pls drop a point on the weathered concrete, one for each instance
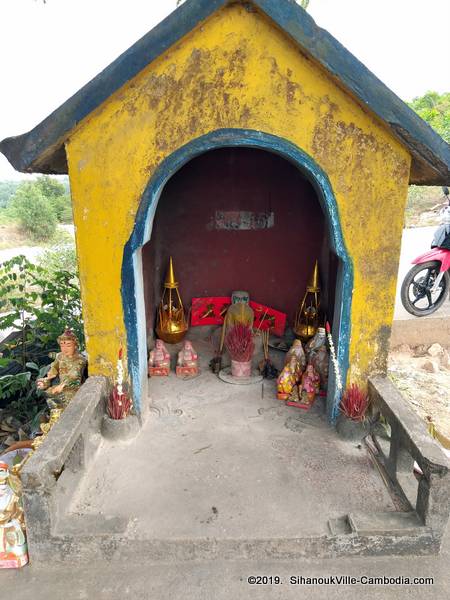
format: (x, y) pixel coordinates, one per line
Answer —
(409, 436)
(227, 579)
(222, 472)
(120, 429)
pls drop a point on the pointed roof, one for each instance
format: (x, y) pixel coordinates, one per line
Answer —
(42, 149)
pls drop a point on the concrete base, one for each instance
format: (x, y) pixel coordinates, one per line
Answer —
(220, 471)
(120, 429)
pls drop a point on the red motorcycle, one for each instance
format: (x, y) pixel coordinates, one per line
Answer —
(427, 285)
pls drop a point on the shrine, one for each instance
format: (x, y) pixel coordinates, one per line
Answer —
(236, 156)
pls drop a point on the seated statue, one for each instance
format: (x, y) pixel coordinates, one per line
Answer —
(187, 364)
(159, 360)
(69, 366)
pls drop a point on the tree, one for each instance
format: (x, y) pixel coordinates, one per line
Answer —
(7, 191)
(55, 193)
(50, 187)
(434, 108)
(33, 211)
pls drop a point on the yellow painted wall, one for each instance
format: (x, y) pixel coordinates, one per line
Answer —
(236, 70)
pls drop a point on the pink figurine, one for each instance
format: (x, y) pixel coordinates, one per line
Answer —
(159, 361)
(187, 364)
(310, 385)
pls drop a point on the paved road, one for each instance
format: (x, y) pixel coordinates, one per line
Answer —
(31, 252)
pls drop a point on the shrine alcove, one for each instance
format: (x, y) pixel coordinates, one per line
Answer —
(239, 218)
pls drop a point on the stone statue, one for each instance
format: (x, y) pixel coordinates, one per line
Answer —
(187, 364)
(159, 360)
(69, 366)
(13, 545)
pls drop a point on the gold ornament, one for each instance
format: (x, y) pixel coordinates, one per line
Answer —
(307, 316)
(172, 325)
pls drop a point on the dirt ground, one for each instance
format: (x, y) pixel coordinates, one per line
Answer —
(423, 376)
(12, 236)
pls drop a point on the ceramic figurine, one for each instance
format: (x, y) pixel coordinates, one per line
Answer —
(172, 325)
(187, 364)
(319, 339)
(159, 361)
(310, 385)
(288, 379)
(320, 361)
(13, 544)
(307, 316)
(317, 355)
(69, 366)
(297, 350)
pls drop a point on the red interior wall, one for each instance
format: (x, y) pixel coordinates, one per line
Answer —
(272, 264)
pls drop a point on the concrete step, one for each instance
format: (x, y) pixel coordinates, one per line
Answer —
(385, 523)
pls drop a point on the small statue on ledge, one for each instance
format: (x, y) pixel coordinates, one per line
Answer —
(69, 365)
(159, 361)
(187, 364)
(13, 544)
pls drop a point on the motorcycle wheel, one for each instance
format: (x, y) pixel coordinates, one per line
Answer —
(416, 293)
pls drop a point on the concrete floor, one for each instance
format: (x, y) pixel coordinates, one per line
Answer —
(229, 462)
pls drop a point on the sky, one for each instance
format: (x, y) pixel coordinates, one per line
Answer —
(50, 50)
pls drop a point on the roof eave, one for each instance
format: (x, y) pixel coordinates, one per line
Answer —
(42, 149)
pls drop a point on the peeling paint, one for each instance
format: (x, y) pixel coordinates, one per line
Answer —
(237, 71)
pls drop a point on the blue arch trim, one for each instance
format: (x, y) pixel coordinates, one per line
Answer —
(132, 281)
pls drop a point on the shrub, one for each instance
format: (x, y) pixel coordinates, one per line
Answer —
(41, 306)
(34, 213)
(61, 257)
(62, 207)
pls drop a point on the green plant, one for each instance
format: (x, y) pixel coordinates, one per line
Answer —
(19, 292)
(62, 207)
(29, 405)
(61, 257)
(33, 211)
(11, 385)
(40, 305)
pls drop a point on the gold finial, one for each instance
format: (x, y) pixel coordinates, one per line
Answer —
(313, 285)
(170, 282)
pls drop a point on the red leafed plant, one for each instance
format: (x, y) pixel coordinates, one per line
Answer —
(354, 403)
(119, 402)
(239, 343)
(119, 405)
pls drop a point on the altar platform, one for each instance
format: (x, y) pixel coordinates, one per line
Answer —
(221, 461)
